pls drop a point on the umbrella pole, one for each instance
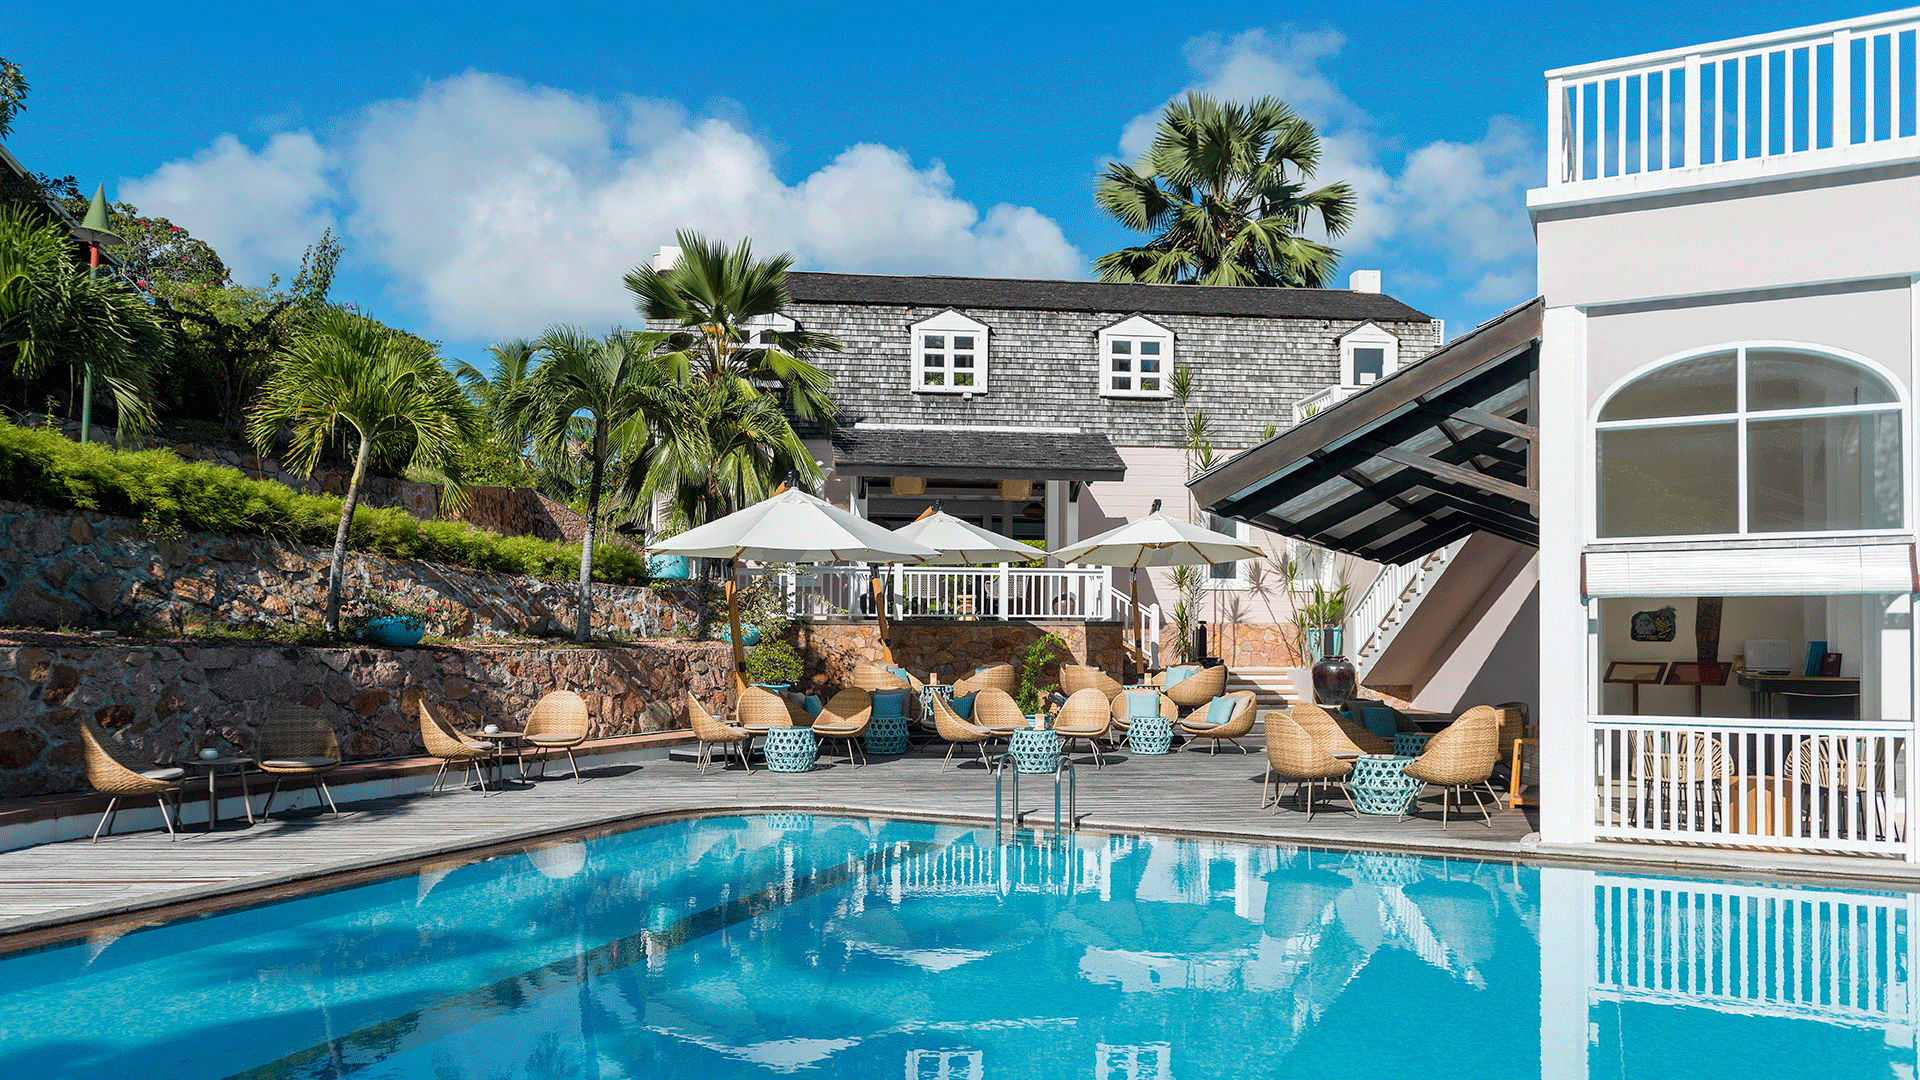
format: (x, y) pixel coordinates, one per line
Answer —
(880, 610)
(1139, 648)
(733, 626)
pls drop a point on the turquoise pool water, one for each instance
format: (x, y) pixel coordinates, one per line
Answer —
(792, 945)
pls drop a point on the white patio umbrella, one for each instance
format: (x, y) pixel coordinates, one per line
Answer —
(1156, 540)
(794, 527)
(961, 543)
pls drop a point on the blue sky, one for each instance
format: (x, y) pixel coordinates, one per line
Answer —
(494, 168)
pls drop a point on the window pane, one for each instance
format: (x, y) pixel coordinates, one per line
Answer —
(1226, 571)
(1122, 382)
(1822, 473)
(1121, 363)
(936, 378)
(963, 360)
(963, 342)
(963, 378)
(1121, 348)
(1149, 384)
(1149, 365)
(1149, 348)
(1777, 379)
(1674, 481)
(936, 360)
(1369, 365)
(935, 341)
(1690, 388)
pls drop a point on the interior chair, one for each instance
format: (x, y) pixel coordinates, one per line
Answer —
(846, 718)
(712, 733)
(297, 743)
(445, 742)
(1200, 723)
(1834, 772)
(1690, 768)
(1336, 734)
(114, 773)
(958, 732)
(1293, 754)
(1086, 717)
(1461, 756)
(559, 721)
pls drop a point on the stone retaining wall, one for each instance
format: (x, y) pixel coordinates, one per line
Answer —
(950, 647)
(160, 700)
(59, 568)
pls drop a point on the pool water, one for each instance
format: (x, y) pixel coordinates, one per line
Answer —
(795, 945)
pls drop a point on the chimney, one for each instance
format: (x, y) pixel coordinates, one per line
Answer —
(669, 256)
(1358, 281)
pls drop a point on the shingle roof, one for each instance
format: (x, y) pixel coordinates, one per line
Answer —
(1030, 295)
(974, 453)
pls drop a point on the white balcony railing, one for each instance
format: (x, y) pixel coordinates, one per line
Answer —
(1831, 786)
(1382, 610)
(1322, 400)
(1003, 592)
(1821, 96)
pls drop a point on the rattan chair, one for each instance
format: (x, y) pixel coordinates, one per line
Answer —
(113, 773)
(875, 677)
(298, 743)
(1238, 723)
(1086, 716)
(1294, 754)
(995, 710)
(759, 709)
(958, 732)
(1336, 734)
(846, 718)
(999, 677)
(445, 742)
(1077, 677)
(1828, 766)
(713, 733)
(1681, 762)
(1198, 688)
(559, 721)
(1123, 720)
(1461, 756)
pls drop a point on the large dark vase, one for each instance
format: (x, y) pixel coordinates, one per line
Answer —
(1334, 681)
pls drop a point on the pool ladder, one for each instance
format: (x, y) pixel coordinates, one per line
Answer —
(1062, 769)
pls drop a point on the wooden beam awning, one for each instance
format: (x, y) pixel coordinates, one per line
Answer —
(1438, 450)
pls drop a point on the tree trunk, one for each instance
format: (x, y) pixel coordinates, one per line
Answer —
(583, 617)
(337, 570)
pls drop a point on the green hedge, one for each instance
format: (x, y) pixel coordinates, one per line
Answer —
(40, 467)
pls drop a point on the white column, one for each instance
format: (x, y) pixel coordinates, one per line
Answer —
(1566, 812)
(1056, 496)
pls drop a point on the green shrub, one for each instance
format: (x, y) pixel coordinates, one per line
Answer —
(775, 661)
(165, 494)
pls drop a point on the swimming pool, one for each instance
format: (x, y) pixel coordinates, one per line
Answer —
(787, 944)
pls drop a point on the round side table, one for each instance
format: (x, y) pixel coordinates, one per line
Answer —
(790, 749)
(1034, 750)
(1150, 735)
(1410, 743)
(1379, 786)
(886, 735)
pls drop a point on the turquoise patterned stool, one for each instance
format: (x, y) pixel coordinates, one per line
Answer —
(943, 691)
(790, 749)
(887, 735)
(1410, 743)
(1150, 735)
(1034, 750)
(1379, 787)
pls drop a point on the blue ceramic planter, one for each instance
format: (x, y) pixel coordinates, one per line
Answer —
(749, 635)
(668, 566)
(394, 631)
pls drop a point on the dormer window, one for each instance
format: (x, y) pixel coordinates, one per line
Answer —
(759, 330)
(950, 355)
(1367, 355)
(1136, 359)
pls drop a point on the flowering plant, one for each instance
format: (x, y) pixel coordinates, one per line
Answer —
(381, 604)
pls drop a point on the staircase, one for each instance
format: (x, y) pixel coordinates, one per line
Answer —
(1383, 609)
(1272, 687)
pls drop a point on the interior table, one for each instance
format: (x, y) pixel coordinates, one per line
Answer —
(213, 767)
(1765, 687)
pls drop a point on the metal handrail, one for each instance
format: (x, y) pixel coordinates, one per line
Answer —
(1065, 765)
(1000, 772)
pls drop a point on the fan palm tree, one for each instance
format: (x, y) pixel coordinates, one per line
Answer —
(716, 447)
(346, 371)
(710, 295)
(1223, 188)
(604, 389)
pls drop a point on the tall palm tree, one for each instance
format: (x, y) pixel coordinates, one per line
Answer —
(345, 371)
(608, 386)
(710, 295)
(716, 447)
(1223, 188)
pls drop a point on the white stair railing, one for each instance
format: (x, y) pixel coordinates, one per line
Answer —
(995, 592)
(1382, 610)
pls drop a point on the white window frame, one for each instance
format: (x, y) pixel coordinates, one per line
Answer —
(1242, 532)
(946, 326)
(1590, 469)
(1133, 333)
(757, 326)
(1367, 336)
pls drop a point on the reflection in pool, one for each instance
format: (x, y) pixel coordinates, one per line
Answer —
(787, 944)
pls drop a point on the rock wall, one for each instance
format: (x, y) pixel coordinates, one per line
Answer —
(951, 648)
(64, 569)
(160, 700)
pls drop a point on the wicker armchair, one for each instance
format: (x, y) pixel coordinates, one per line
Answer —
(958, 732)
(298, 742)
(1238, 723)
(1077, 677)
(1460, 757)
(995, 710)
(1123, 720)
(1683, 763)
(559, 721)
(846, 718)
(114, 774)
(1829, 765)
(875, 677)
(1294, 754)
(445, 742)
(760, 709)
(996, 677)
(1336, 734)
(1199, 688)
(713, 733)
(1087, 716)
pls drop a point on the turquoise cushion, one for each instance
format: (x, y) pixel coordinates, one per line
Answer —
(1220, 709)
(1380, 720)
(901, 674)
(962, 706)
(1178, 675)
(889, 704)
(812, 704)
(1142, 704)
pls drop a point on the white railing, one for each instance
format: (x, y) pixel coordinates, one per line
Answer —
(1321, 401)
(1840, 957)
(917, 592)
(1831, 786)
(1149, 645)
(1824, 95)
(1382, 610)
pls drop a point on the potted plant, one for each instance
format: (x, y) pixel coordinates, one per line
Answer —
(386, 618)
(1334, 678)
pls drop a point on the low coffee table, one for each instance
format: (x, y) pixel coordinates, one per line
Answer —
(1150, 735)
(1034, 750)
(500, 739)
(1380, 786)
(213, 767)
(790, 749)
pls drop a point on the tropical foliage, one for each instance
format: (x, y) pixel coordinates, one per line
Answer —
(1223, 190)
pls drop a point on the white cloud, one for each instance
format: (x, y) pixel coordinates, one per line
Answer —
(258, 210)
(499, 207)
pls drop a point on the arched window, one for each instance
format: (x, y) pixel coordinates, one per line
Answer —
(1751, 439)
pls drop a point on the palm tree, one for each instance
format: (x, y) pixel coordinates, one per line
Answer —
(1222, 187)
(610, 387)
(711, 294)
(344, 370)
(716, 447)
